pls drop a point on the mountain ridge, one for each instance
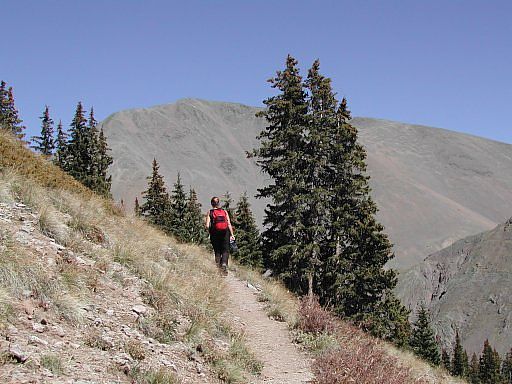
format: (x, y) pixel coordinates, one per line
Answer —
(432, 186)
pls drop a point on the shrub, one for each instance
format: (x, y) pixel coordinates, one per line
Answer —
(313, 318)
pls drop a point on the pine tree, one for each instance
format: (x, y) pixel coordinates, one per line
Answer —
(45, 143)
(178, 209)
(136, 208)
(506, 368)
(489, 365)
(104, 161)
(193, 222)
(280, 156)
(90, 160)
(247, 235)
(422, 340)
(61, 145)
(321, 235)
(445, 359)
(77, 149)
(459, 359)
(156, 206)
(227, 205)
(474, 369)
(347, 247)
(9, 117)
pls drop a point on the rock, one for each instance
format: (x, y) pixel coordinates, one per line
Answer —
(140, 309)
(255, 289)
(59, 331)
(167, 363)
(267, 273)
(16, 353)
(37, 341)
(110, 312)
(39, 328)
(199, 367)
(44, 321)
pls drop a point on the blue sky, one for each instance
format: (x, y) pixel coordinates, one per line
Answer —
(440, 63)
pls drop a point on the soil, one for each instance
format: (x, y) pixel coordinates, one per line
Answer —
(268, 339)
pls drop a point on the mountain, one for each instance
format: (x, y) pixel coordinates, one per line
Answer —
(432, 186)
(467, 286)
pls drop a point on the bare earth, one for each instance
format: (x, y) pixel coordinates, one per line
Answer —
(268, 339)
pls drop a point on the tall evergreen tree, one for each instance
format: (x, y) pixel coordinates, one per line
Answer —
(280, 155)
(506, 368)
(104, 161)
(227, 204)
(321, 234)
(193, 222)
(423, 341)
(446, 360)
(247, 235)
(459, 359)
(45, 143)
(342, 220)
(489, 365)
(156, 206)
(78, 157)
(178, 209)
(474, 370)
(9, 116)
(61, 145)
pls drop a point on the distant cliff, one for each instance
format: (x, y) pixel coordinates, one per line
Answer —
(467, 286)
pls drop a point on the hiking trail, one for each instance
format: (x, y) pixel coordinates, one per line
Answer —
(268, 339)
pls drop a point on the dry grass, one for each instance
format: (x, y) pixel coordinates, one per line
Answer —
(181, 284)
(53, 363)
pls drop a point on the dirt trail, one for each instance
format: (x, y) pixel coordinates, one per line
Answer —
(268, 339)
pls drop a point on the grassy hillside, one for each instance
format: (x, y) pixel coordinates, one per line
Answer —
(89, 293)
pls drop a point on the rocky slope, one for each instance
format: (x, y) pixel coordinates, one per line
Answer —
(467, 286)
(432, 186)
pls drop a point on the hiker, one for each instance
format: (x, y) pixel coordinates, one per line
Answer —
(221, 232)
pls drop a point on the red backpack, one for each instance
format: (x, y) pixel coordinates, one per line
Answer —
(219, 219)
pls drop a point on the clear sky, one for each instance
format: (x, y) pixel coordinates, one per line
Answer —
(443, 63)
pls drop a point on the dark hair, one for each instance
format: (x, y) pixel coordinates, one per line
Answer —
(215, 202)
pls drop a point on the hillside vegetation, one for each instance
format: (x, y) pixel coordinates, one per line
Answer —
(88, 293)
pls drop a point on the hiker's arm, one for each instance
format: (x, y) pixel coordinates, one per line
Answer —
(207, 221)
(229, 225)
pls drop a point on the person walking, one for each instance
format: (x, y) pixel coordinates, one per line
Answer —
(218, 224)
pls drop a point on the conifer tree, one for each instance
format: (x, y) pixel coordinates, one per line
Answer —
(104, 161)
(280, 156)
(506, 368)
(445, 360)
(459, 359)
(9, 116)
(345, 244)
(77, 149)
(45, 143)
(321, 235)
(489, 365)
(422, 340)
(136, 208)
(193, 223)
(247, 235)
(61, 144)
(227, 205)
(474, 369)
(156, 205)
(178, 209)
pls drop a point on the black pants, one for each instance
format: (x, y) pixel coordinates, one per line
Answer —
(220, 244)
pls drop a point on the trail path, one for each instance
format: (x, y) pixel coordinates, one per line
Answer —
(268, 339)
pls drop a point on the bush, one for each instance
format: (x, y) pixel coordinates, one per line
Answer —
(313, 318)
(369, 365)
